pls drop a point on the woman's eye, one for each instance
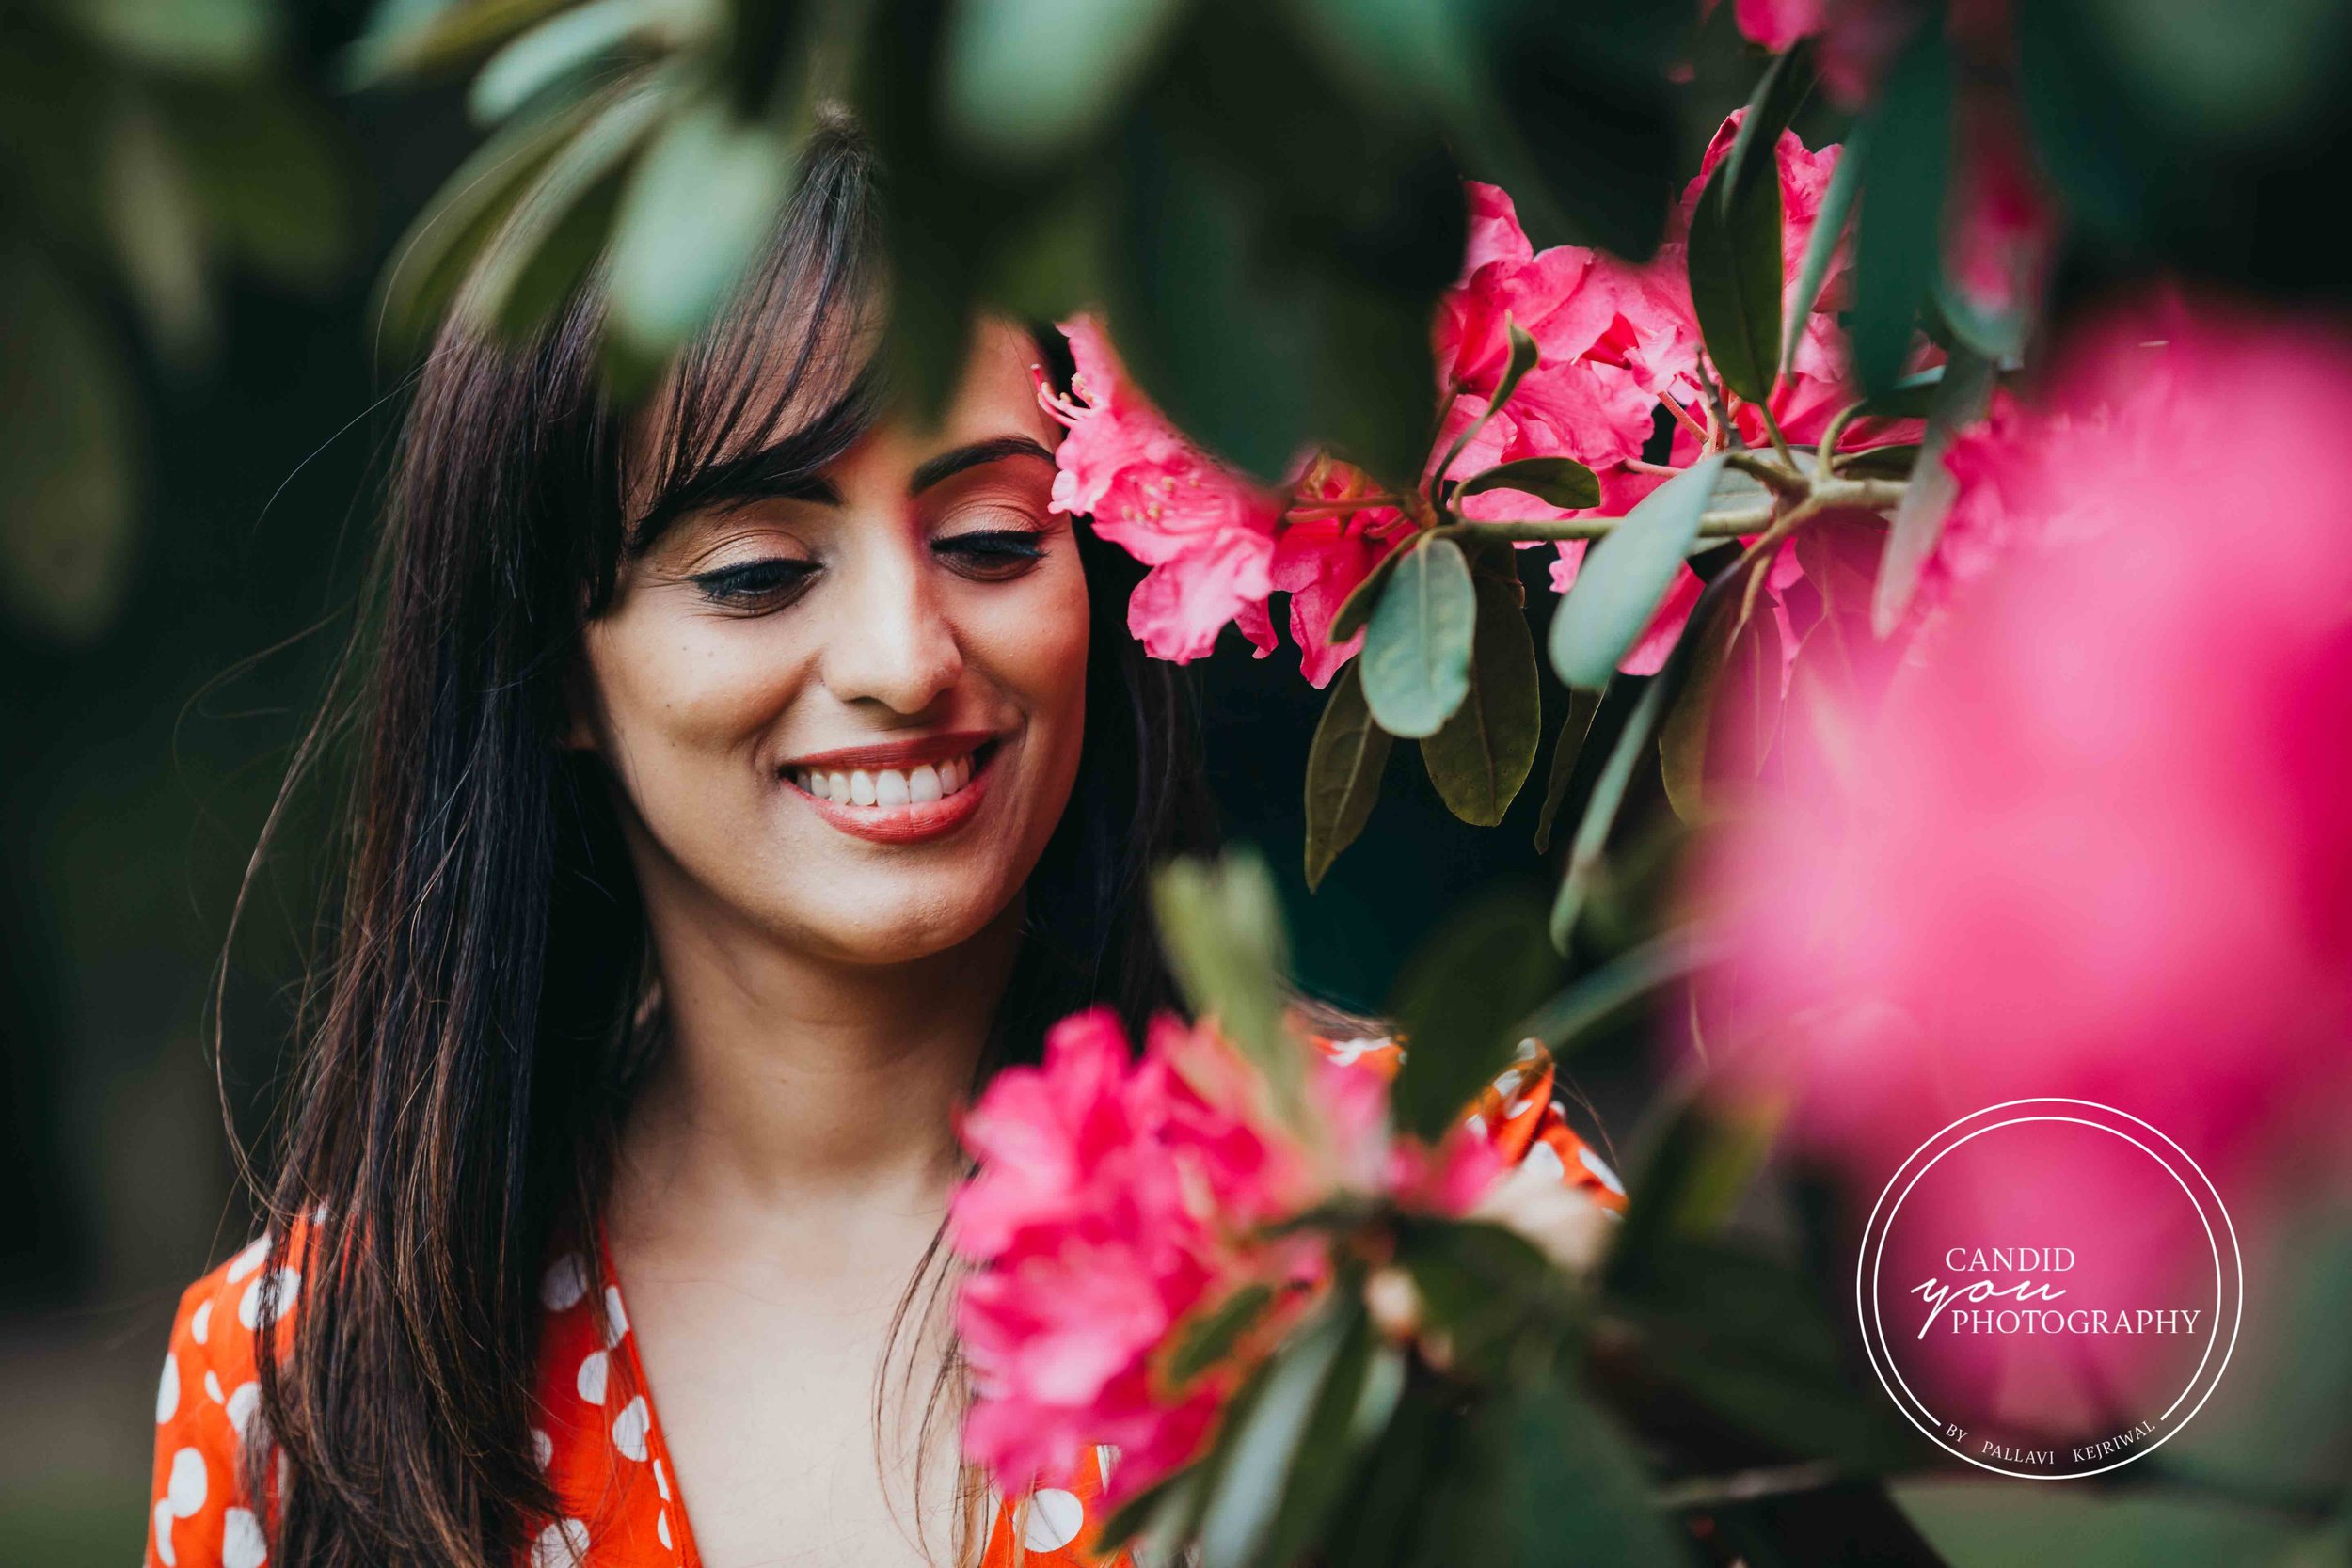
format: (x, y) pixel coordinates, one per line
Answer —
(756, 585)
(992, 553)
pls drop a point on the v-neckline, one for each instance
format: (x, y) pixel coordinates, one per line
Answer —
(657, 1440)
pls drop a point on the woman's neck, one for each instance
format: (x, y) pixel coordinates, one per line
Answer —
(790, 1084)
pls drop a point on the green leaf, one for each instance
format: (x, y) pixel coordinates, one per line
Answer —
(1898, 238)
(216, 38)
(1820, 245)
(1572, 1488)
(1456, 1003)
(1735, 281)
(1735, 252)
(1560, 481)
(1311, 1384)
(1222, 926)
(580, 174)
(1729, 711)
(1913, 397)
(69, 444)
(1918, 523)
(272, 172)
(432, 262)
(159, 231)
(1480, 757)
(1356, 610)
(1524, 356)
(1599, 996)
(1626, 575)
(563, 44)
(405, 38)
(1026, 79)
(699, 208)
(1417, 645)
(1980, 1525)
(1481, 1284)
(1209, 1339)
(1600, 811)
(1750, 1337)
(1780, 92)
(1565, 751)
(1344, 769)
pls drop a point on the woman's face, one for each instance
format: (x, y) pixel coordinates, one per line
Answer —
(849, 718)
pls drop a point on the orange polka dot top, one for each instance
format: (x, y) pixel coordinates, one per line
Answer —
(598, 1436)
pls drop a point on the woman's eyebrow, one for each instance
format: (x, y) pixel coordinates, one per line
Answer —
(948, 464)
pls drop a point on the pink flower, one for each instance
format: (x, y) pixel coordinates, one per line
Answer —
(2099, 845)
(1817, 385)
(1218, 546)
(1116, 1200)
(1206, 532)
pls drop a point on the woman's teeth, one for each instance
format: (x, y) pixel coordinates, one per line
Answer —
(888, 787)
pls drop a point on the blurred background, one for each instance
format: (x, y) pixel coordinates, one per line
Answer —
(190, 358)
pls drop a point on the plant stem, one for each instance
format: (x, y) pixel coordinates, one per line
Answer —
(1788, 481)
(1873, 495)
(1780, 443)
(1359, 503)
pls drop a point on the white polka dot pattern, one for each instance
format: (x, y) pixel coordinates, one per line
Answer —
(167, 1392)
(185, 1492)
(631, 1427)
(278, 1288)
(562, 1544)
(1055, 1518)
(242, 1544)
(565, 1282)
(596, 1370)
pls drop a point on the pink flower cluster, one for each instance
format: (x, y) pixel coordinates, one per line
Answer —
(2101, 845)
(1120, 1198)
(1818, 385)
(1218, 547)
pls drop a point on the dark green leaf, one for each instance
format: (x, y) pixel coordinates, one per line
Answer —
(1209, 1339)
(407, 38)
(1479, 757)
(1595, 998)
(1344, 769)
(272, 172)
(1896, 462)
(1820, 245)
(221, 37)
(556, 47)
(1565, 751)
(1524, 356)
(1751, 1339)
(1960, 400)
(1561, 482)
(1026, 79)
(1624, 576)
(1456, 1003)
(1222, 927)
(158, 230)
(1729, 711)
(432, 259)
(1780, 92)
(1579, 123)
(1480, 1284)
(1913, 397)
(1356, 610)
(69, 444)
(1980, 1525)
(1416, 645)
(1314, 1374)
(1572, 1488)
(1600, 810)
(698, 210)
(1898, 237)
(1736, 279)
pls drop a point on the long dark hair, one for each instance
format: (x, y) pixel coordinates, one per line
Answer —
(467, 1050)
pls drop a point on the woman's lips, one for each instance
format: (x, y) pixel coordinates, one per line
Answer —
(898, 804)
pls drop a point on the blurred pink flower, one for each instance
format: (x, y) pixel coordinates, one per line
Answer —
(2101, 844)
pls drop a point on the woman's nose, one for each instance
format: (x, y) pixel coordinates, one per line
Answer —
(891, 640)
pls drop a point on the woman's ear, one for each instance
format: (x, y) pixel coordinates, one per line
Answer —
(580, 730)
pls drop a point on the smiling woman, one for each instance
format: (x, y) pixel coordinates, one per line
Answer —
(714, 838)
(747, 778)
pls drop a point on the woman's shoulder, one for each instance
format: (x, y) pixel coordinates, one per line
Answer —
(205, 1402)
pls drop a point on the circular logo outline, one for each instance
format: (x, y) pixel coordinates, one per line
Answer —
(1875, 1233)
